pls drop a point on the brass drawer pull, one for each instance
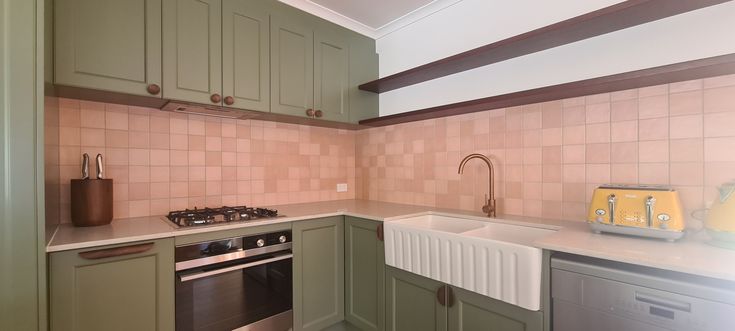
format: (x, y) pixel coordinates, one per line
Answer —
(318, 113)
(117, 251)
(215, 98)
(229, 100)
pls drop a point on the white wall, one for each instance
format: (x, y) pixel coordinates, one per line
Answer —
(473, 23)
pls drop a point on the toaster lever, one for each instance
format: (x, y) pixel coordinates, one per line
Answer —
(611, 199)
(650, 203)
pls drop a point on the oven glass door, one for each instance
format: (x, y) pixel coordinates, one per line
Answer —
(227, 297)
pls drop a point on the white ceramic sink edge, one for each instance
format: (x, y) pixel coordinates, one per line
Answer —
(490, 258)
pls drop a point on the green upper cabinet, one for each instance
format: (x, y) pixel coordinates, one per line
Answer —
(292, 65)
(331, 74)
(245, 54)
(108, 45)
(363, 69)
(472, 311)
(318, 273)
(192, 50)
(412, 302)
(364, 274)
(121, 287)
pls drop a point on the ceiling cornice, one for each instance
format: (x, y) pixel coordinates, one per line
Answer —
(349, 23)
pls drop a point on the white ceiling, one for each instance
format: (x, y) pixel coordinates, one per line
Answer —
(373, 13)
(374, 18)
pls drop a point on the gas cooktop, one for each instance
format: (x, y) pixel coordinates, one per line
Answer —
(222, 215)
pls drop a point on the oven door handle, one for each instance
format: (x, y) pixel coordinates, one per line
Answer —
(198, 275)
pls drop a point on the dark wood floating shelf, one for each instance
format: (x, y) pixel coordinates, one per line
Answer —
(616, 17)
(683, 71)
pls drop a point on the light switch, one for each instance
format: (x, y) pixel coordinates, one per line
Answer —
(342, 187)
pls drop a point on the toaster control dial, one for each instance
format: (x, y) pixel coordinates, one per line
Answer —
(600, 212)
(664, 218)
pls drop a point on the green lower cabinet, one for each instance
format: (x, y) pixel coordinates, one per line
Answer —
(121, 287)
(318, 273)
(470, 311)
(412, 304)
(364, 275)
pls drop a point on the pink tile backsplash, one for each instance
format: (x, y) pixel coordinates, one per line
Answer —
(161, 161)
(550, 156)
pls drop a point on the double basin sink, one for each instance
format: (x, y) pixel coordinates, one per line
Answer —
(490, 258)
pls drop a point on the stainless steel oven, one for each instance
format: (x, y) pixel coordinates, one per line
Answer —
(235, 284)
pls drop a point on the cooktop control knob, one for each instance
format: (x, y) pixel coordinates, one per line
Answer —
(282, 239)
(260, 242)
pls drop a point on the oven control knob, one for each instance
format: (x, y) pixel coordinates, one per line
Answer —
(260, 242)
(282, 239)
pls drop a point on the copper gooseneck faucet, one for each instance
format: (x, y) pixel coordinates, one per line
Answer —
(490, 206)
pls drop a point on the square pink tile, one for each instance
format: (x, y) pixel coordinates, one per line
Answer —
(653, 173)
(687, 174)
(719, 149)
(92, 137)
(687, 150)
(686, 103)
(624, 131)
(653, 129)
(92, 118)
(719, 124)
(574, 135)
(573, 154)
(721, 99)
(116, 117)
(552, 192)
(552, 173)
(624, 152)
(573, 173)
(598, 113)
(574, 115)
(624, 110)
(597, 173)
(552, 137)
(685, 127)
(653, 151)
(624, 173)
(653, 106)
(597, 153)
(598, 133)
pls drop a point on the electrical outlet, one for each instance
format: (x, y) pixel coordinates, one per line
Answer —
(342, 187)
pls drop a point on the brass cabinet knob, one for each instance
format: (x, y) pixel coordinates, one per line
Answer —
(216, 98)
(229, 100)
(153, 89)
(310, 112)
(318, 113)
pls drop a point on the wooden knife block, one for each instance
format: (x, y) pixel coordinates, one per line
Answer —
(91, 202)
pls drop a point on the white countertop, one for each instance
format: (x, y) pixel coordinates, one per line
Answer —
(690, 255)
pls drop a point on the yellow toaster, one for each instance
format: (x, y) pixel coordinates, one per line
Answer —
(640, 210)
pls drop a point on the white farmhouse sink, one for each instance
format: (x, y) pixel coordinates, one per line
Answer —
(492, 259)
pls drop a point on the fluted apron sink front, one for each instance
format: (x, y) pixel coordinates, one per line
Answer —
(485, 257)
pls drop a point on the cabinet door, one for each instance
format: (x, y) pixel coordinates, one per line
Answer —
(318, 267)
(411, 302)
(472, 311)
(331, 74)
(108, 44)
(364, 275)
(292, 65)
(192, 50)
(363, 68)
(245, 62)
(130, 289)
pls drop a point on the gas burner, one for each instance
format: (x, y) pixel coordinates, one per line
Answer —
(208, 216)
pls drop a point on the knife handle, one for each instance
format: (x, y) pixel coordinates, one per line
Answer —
(85, 166)
(100, 170)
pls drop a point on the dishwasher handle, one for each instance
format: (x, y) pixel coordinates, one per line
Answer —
(663, 302)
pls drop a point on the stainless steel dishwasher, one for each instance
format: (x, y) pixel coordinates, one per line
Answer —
(593, 294)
